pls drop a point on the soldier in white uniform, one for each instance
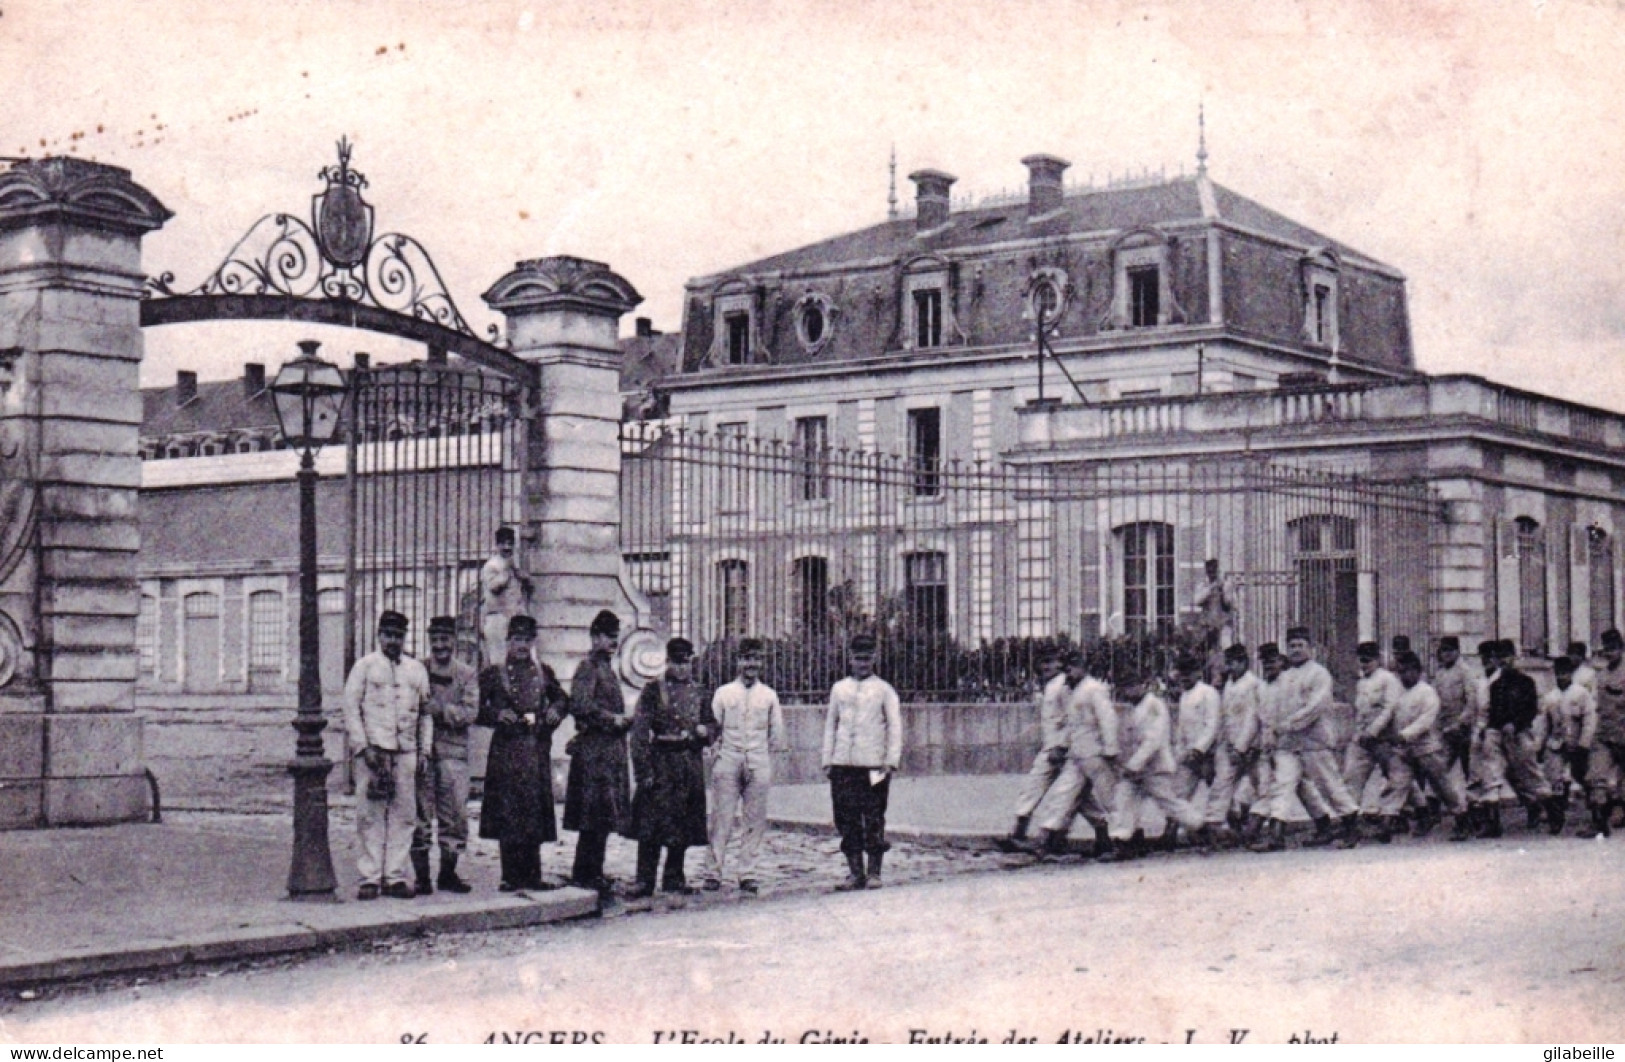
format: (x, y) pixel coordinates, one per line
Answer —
(863, 748)
(505, 592)
(454, 704)
(1567, 725)
(1236, 750)
(1196, 727)
(1454, 685)
(1147, 771)
(1584, 673)
(1088, 781)
(1371, 745)
(1606, 758)
(1051, 756)
(1304, 747)
(1419, 750)
(751, 726)
(384, 699)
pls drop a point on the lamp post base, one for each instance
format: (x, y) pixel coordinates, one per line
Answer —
(311, 876)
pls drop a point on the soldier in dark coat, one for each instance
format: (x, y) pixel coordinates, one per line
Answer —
(597, 798)
(672, 726)
(522, 702)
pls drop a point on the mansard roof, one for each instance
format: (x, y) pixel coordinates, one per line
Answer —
(1089, 210)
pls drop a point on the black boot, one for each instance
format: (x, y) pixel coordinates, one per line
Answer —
(1349, 835)
(1462, 828)
(1492, 821)
(1557, 814)
(448, 879)
(420, 867)
(1103, 841)
(1426, 820)
(1387, 826)
(1599, 823)
(1054, 846)
(1013, 843)
(1532, 814)
(1323, 833)
(855, 878)
(875, 859)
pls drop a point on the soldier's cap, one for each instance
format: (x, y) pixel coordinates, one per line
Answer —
(391, 620)
(1367, 651)
(1071, 658)
(521, 627)
(1612, 640)
(1578, 650)
(1269, 651)
(1407, 660)
(1186, 664)
(1298, 634)
(750, 647)
(1487, 648)
(504, 534)
(679, 651)
(1563, 665)
(861, 645)
(1400, 643)
(442, 625)
(1236, 651)
(1506, 647)
(1451, 642)
(606, 622)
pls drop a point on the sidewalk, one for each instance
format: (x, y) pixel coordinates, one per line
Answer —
(209, 886)
(200, 887)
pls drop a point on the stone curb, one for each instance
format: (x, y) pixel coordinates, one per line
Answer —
(924, 837)
(321, 927)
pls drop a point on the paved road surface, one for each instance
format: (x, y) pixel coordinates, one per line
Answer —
(1522, 939)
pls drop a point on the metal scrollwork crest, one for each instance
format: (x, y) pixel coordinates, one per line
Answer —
(335, 258)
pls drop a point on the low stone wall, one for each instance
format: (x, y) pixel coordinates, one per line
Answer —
(937, 739)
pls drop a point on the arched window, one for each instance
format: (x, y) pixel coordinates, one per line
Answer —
(1146, 550)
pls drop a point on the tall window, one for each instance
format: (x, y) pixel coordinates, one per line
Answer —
(812, 450)
(731, 440)
(266, 618)
(1147, 549)
(733, 591)
(928, 317)
(925, 450)
(1322, 323)
(810, 578)
(1531, 542)
(1145, 296)
(1600, 549)
(738, 326)
(927, 590)
(146, 634)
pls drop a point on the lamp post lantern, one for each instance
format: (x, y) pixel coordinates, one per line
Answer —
(309, 396)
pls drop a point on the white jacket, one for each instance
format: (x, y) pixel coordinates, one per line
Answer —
(1091, 719)
(751, 721)
(383, 704)
(864, 726)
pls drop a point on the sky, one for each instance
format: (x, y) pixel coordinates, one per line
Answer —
(1475, 145)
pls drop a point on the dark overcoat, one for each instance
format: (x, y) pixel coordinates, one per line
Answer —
(667, 761)
(518, 801)
(598, 794)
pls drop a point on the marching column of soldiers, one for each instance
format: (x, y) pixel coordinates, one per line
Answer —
(1235, 765)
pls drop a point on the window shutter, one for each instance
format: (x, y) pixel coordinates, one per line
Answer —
(1508, 604)
(1579, 585)
(1554, 614)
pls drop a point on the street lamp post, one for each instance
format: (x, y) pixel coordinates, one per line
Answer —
(309, 395)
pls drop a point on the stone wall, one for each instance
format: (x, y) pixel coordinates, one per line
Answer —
(937, 739)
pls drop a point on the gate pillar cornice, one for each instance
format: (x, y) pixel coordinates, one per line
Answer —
(70, 421)
(563, 317)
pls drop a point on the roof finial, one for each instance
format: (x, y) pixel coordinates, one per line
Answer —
(891, 190)
(1201, 138)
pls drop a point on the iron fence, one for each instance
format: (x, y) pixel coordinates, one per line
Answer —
(963, 571)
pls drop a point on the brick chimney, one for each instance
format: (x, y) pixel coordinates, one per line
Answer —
(253, 378)
(1044, 186)
(185, 387)
(931, 198)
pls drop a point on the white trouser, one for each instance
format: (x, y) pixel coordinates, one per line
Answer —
(1037, 783)
(738, 780)
(385, 826)
(1087, 784)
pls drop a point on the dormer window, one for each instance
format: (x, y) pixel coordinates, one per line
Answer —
(815, 321)
(1140, 295)
(1320, 300)
(928, 318)
(738, 337)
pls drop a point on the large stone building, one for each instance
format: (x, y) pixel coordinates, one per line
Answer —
(1203, 354)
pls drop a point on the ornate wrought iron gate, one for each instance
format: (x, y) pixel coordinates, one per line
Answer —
(434, 466)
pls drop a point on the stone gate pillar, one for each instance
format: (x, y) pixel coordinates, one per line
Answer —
(563, 316)
(70, 420)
